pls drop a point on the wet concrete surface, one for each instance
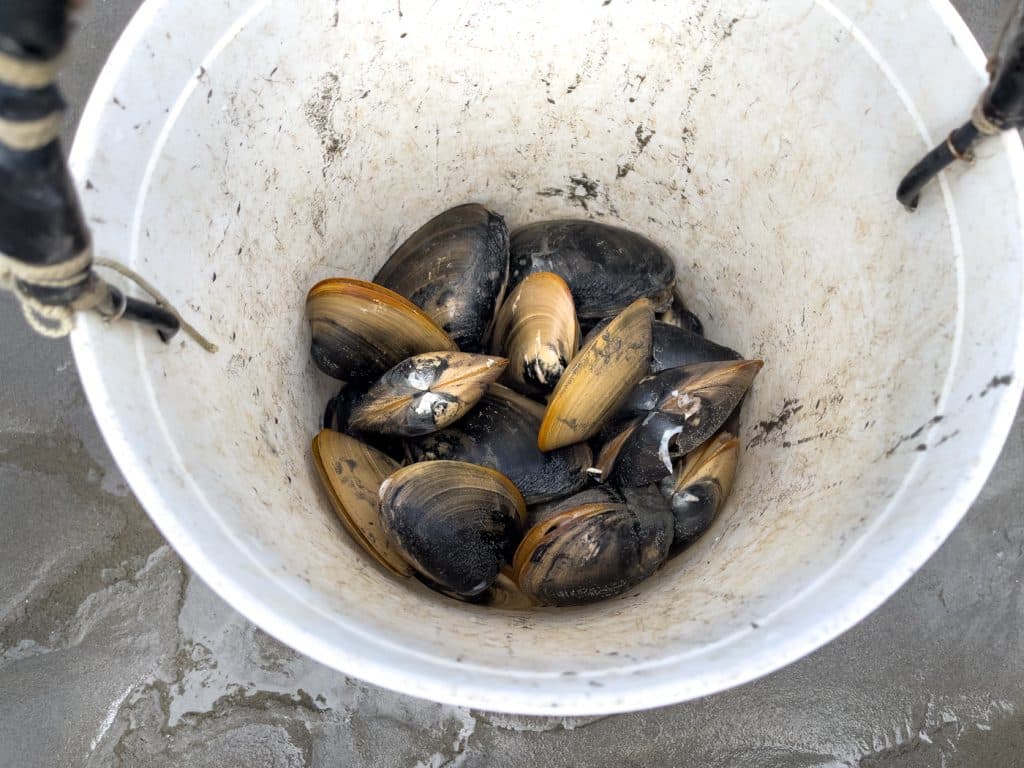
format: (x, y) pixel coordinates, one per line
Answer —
(112, 654)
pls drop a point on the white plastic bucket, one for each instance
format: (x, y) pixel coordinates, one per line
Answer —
(236, 152)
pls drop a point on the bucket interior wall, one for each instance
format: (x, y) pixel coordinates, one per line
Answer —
(760, 143)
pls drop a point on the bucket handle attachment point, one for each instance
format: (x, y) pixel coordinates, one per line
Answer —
(46, 257)
(1001, 108)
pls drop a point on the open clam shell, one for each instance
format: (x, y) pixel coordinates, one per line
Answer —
(701, 396)
(641, 452)
(668, 415)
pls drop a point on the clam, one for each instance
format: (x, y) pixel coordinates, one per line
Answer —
(673, 346)
(702, 483)
(426, 393)
(677, 314)
(592, 552)
(501, 433)
(351, 473)
(641, 452)
(700, 394)
(599, 378)
(337, 416)
(655, 497)
(597, 495)
(656, 401)
(536, 329)
(668, 415)
(607, 268)
(360, 330)
(455, 267)
(452, 521)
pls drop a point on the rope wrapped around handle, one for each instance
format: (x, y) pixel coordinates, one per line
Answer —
(46, 257)
(1000, 108)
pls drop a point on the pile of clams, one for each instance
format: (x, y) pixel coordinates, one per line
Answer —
(525, 420)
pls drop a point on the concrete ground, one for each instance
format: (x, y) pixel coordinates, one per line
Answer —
(111, 653)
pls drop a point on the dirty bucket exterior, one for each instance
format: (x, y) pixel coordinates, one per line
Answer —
(237, 152)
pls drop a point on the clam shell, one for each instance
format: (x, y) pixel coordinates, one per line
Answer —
(337, 415)
(505, 594)
(699, 397)
(669, 415)
(549, 509)
(426, 393)
(607, 268)
(452, 521)
(591, 553)
(536, 329)
(673, 346)
(703, 482)
(360, 330)
(599, 378)
(677, 314)
(351, 473)
(642, 452)
(501, 433)
(455, 267)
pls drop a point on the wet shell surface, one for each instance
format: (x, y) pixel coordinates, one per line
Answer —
(642, 452)
(501, 433)
(537, 330)
(360, 330)
(607, 268)
(426, 393)
(599, 379)
(673, 346)
(700, 396)
(599, 494)
(452, 521)
(352, 473)
(455, 267)
(702, 484)
(592, 552)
